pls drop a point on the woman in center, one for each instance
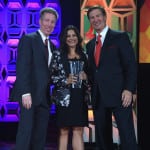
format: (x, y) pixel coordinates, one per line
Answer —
(72, 117)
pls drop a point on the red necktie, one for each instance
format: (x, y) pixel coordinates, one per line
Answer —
(98, 50)
(46, 48)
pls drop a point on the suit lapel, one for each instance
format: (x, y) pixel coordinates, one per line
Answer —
(41, 45)
(107, 41)
(52, 46)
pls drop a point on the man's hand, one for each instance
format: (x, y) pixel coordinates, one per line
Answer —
(27, 101)
(126, 98)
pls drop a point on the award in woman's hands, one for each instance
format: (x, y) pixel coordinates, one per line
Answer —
(76, 67)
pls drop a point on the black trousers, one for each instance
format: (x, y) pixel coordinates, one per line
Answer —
(103, 127)
(32, 128)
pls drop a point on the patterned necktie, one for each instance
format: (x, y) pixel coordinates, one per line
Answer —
(98, 50)
(46, 48)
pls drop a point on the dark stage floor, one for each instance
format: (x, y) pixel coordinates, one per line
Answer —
(52, 146)
(8, 133)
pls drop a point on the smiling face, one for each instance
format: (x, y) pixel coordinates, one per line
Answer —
(47, 23)
(72, 39)
(97, 20)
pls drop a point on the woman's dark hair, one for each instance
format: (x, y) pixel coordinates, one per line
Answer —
(63, 45)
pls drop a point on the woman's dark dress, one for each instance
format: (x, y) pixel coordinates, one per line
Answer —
(76, 114)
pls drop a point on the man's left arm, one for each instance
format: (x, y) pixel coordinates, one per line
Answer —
(129, 69)
(129, 64)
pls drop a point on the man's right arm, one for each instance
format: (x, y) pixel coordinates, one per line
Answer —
(24, 63)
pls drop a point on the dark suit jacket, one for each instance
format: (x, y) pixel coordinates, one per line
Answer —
(116, 70)
(32, 74)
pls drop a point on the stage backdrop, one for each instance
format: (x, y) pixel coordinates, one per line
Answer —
(144, 53)
(17, 18)
(144, 74)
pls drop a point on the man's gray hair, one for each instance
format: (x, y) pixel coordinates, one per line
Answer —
(48, 10)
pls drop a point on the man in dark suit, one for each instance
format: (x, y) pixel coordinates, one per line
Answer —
(31, 87)
(113, 81)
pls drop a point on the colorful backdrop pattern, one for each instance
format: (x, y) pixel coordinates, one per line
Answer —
(144, 46)
(17, 17)
(121, 15)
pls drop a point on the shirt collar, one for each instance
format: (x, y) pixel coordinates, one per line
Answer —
(103, 32)
(43, 36)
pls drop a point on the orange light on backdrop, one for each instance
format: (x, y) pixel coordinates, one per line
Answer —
(144, 46)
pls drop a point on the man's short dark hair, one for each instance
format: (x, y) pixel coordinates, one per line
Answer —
(48, 10)
(96, 7)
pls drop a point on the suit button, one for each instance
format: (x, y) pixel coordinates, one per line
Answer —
(96, 71)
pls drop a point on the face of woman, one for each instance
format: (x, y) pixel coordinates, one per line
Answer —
(72, 39)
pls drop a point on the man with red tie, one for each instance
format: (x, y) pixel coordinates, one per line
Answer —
(112, 73)
(32, 83)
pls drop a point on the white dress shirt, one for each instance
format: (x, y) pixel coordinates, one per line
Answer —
(103, 34)
(49, 49)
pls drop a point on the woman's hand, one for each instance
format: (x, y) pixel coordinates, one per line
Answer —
(72, 79)
(82, 75)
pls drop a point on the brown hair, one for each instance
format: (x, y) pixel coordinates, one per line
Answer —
(48, 10)
(101, 9)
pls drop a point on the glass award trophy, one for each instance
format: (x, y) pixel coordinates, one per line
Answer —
(76, 67)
